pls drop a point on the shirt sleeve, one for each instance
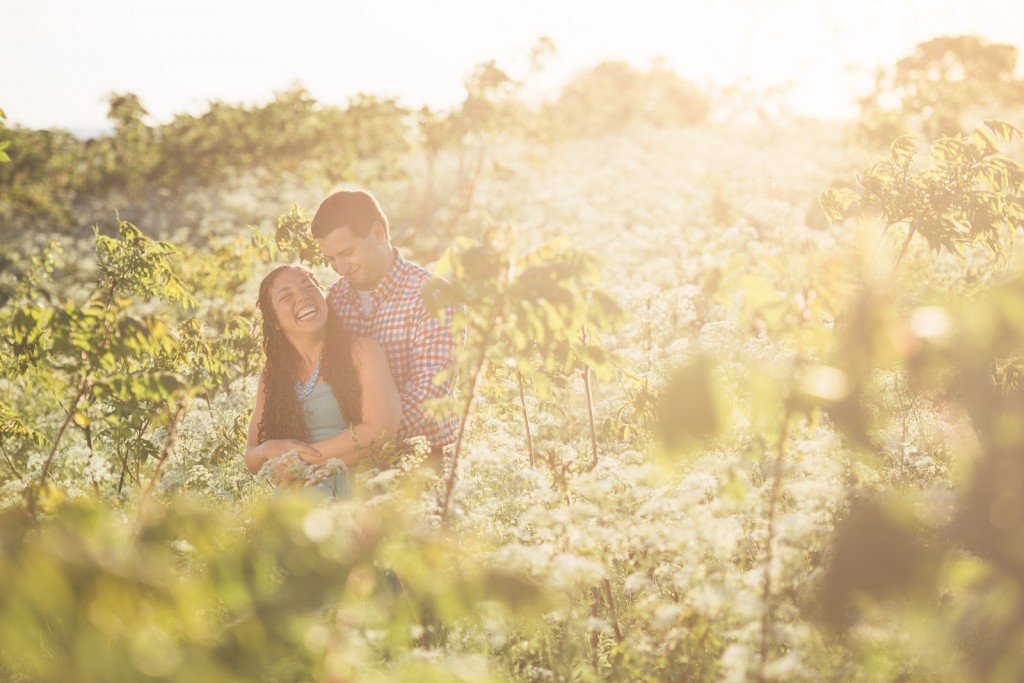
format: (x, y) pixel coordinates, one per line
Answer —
(433, 351)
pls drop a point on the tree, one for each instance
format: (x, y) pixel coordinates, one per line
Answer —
(937, 90)
(970, 193)
(125, 159)
(615, 95)
(3, 145)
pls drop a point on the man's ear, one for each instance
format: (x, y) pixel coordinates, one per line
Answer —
(378, 232)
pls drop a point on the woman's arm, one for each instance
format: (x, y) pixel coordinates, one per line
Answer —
(381, 406)
(258, 453)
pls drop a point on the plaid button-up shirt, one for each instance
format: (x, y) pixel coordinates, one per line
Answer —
(418, 345)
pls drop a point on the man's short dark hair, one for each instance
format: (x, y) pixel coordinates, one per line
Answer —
(358, 209)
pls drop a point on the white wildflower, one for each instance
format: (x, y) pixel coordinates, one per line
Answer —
(570, 571)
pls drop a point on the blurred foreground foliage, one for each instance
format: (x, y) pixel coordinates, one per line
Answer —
(959, 567)
(289, 590)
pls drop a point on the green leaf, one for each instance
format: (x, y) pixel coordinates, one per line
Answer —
(880, 550)
(1003, 130)
(903, 149)
(690, 407)
(170, 384)
(835, 202)
(983, 137)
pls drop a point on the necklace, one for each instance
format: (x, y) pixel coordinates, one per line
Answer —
(304, 390)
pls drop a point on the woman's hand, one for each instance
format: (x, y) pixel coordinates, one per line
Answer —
(257, 455)
(274, 448)
(287, 458)
(287, 470)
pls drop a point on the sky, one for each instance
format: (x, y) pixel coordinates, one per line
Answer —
(59, 59)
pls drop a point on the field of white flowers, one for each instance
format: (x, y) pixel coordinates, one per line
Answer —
(699, 557)
(662, 557)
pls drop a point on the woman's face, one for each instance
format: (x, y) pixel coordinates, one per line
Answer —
(298, 303)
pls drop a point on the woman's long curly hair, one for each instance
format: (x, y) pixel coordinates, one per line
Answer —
(282, 414)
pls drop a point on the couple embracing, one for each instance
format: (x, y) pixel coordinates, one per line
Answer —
(351, 366)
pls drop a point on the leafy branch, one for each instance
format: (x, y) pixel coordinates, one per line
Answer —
(967, 193)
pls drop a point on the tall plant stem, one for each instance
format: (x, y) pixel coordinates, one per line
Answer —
(87, 431)
(590, 404)
(427, 203)
(172, 437)
(469, 187)
(878, 246)
(903, 252)
(590, 416)
(10, 462)
(766, 591)
(467, 408)
(526, 420)
(83, 386)
(612, 611)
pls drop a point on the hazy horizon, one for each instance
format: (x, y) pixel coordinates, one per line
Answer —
(177, 57)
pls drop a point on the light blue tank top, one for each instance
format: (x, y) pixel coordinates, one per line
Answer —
(321, 413)
(322, 417)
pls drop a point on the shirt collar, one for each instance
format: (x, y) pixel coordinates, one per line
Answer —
(385, 288)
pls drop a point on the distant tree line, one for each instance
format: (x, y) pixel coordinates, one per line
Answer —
(948, 84)
(293, 136)
(51, 172)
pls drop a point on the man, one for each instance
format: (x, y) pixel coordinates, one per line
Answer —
(380, 295)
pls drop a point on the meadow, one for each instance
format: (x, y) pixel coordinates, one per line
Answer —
(743, 402)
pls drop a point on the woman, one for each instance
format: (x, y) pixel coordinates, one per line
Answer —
(323, 394)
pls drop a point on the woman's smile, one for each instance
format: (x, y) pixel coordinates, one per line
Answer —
(307, 313)
(298, 302)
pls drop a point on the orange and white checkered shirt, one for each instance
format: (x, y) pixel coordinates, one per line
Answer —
(418, 345)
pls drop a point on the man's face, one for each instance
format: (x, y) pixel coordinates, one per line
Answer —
(363, 260)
